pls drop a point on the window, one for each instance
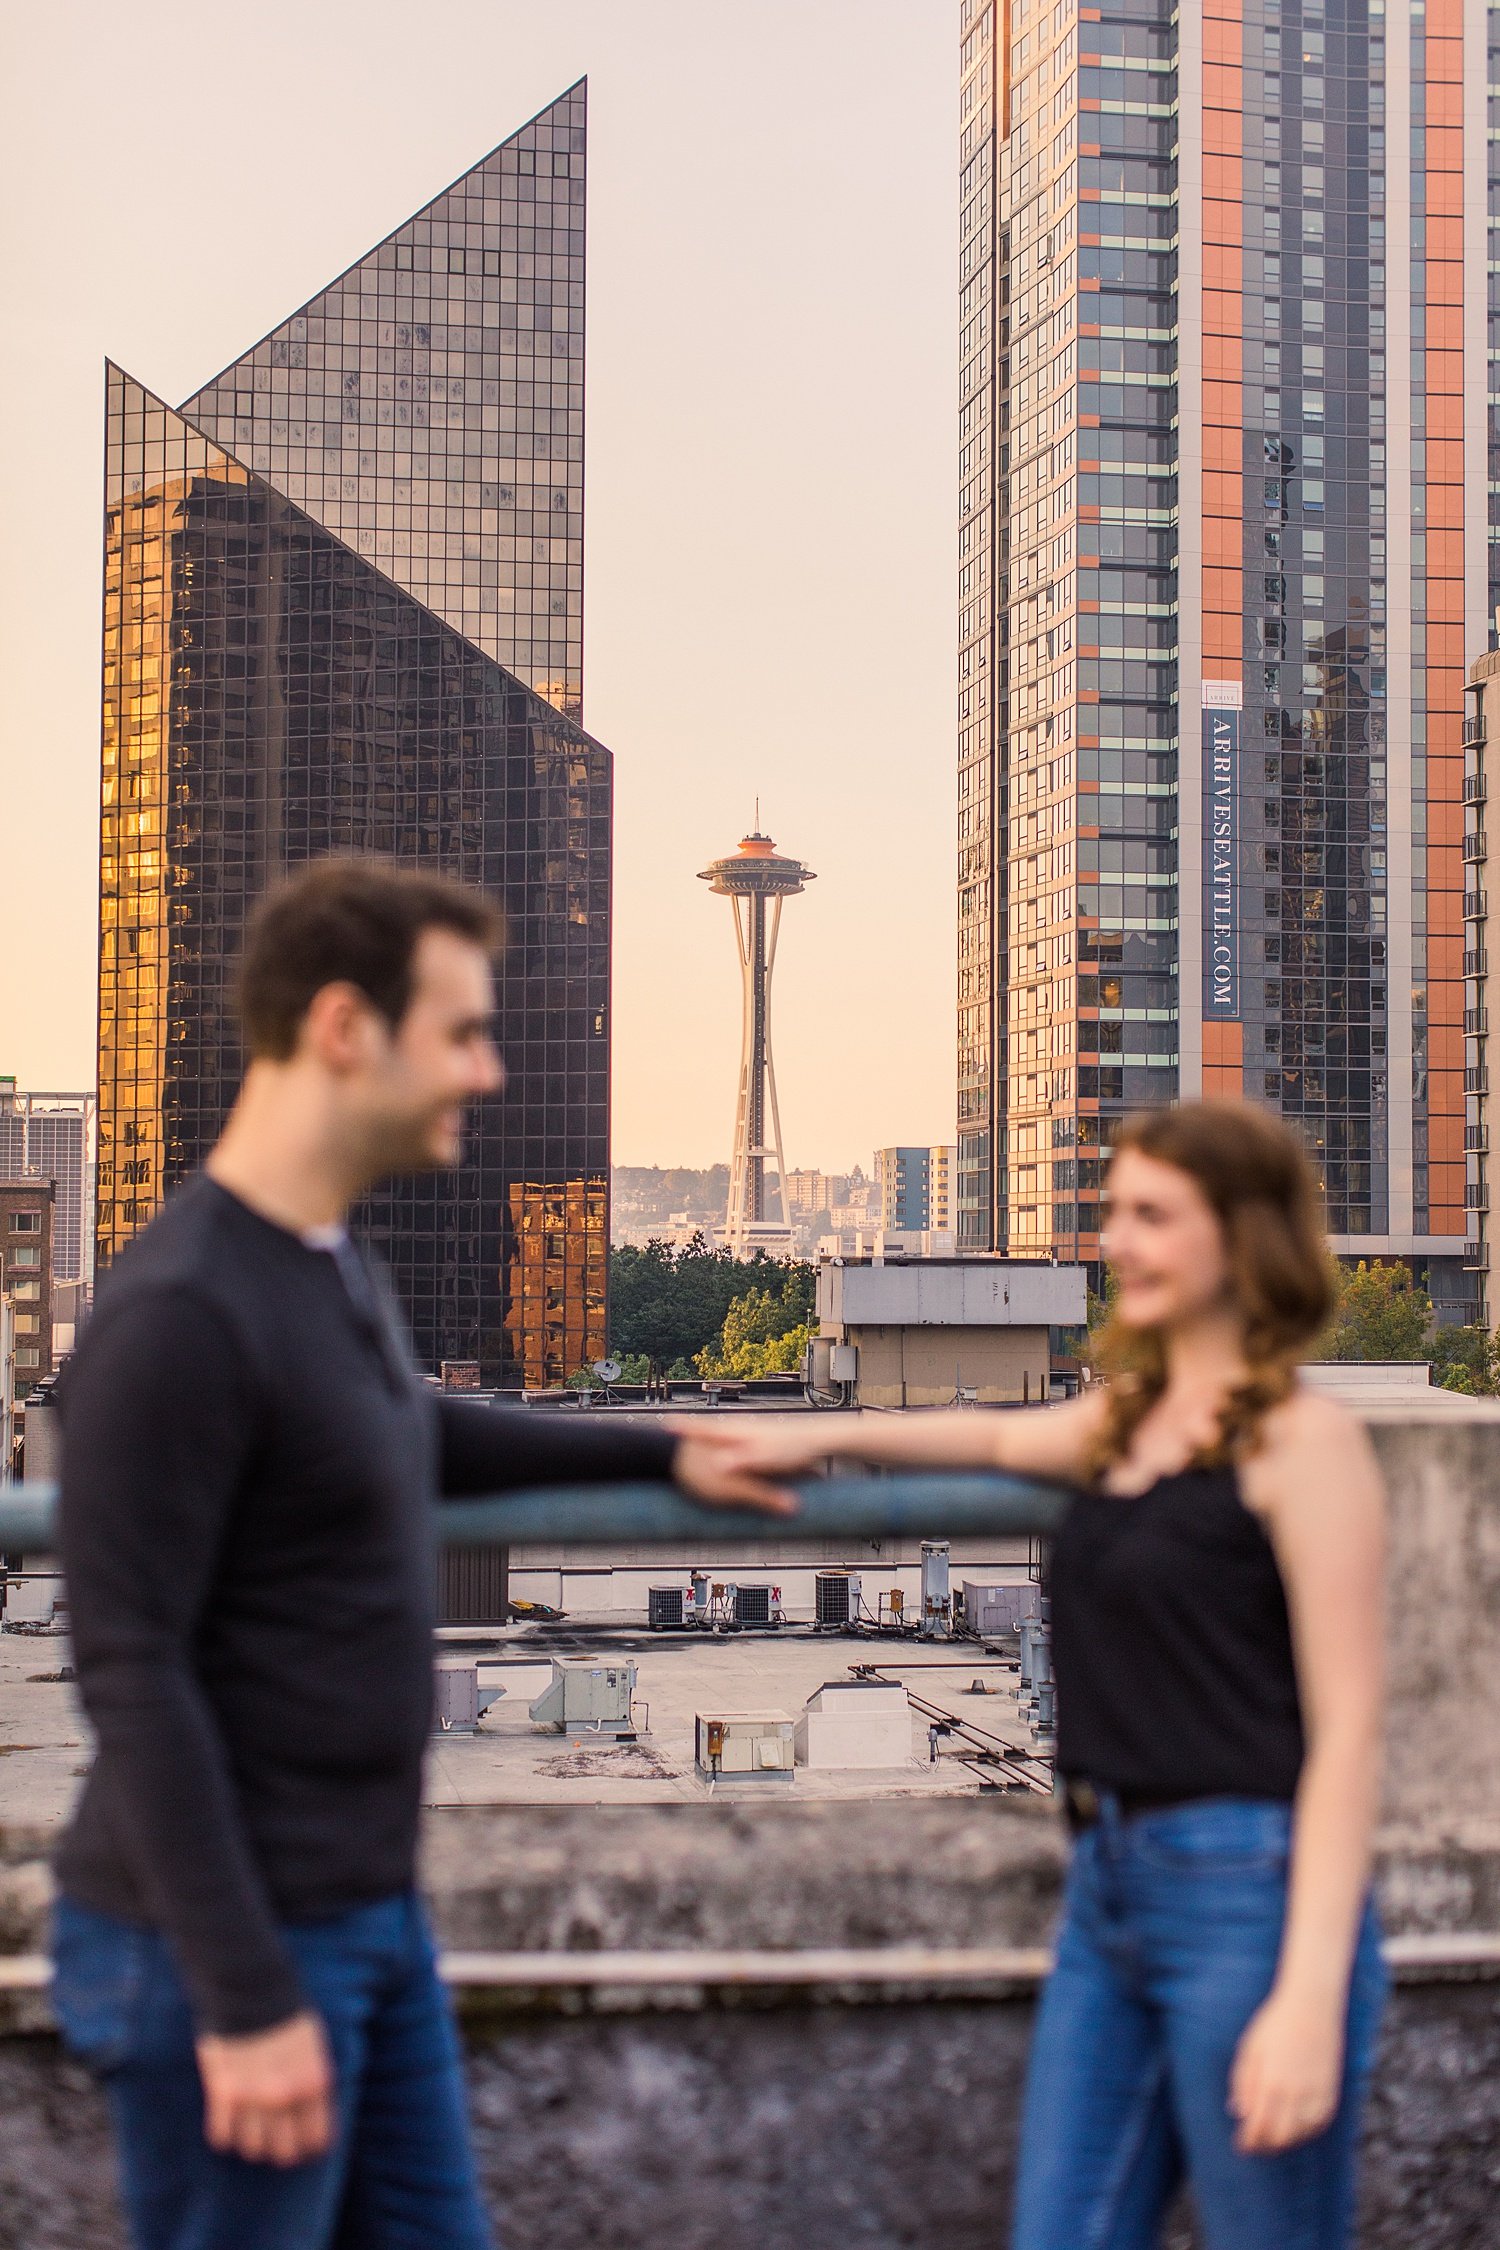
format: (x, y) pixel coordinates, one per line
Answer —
(28, 1355)
(26, 1222)
(23, 1258)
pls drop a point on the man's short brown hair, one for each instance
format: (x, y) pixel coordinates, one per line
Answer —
(347, 921)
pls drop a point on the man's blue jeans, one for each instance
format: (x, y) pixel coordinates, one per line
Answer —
(401, 2174)
(1171, 1927)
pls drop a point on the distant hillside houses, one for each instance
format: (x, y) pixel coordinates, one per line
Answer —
(650, 1202)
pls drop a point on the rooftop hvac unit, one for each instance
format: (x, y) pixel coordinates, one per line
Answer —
(855, 1723)
(836, 1595)
(664, 1605)
(752, 1605)
(995, 1607)
(745, 1745)
(595, 1698)
(458, 1700)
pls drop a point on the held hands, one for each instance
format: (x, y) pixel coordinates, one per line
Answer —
(268, 2096)
(740, 1460)
(1284, 2082)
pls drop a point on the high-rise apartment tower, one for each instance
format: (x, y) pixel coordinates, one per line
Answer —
(51, 1136)
(343, 613)
(915, 1189)
(1224, 555)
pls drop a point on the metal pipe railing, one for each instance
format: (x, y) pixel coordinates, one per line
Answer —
(645, 1977)
(832, 1509)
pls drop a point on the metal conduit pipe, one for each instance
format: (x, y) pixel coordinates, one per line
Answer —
(658, 1515)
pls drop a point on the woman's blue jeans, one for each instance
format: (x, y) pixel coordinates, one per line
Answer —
(1172, 1924)
(400, 2175)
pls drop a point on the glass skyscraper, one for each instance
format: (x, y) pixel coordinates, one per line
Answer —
(51, 1136)
(1224, 554)
(343, 613)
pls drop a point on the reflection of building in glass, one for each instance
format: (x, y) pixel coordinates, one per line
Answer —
(557, 1266)
(51, 1136)
(1222, 558)
(299, 662)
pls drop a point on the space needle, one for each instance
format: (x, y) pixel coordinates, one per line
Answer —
(757, 879)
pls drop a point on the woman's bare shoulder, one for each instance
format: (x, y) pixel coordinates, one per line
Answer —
(1308, 1416)
(1311, 1445)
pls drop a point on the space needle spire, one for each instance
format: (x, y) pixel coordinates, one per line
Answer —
(757, 879)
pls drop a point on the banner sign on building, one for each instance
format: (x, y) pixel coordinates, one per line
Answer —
(1222, 703)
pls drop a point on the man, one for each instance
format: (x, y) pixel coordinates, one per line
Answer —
(249, 1463)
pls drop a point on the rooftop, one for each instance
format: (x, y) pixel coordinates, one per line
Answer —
(511, 1761)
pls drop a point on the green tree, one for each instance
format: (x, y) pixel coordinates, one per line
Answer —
(1083, 1342)
(667, 1305)
(1467, 1359)
(1102, 1309)
(765, 1332)
(1379, 1313)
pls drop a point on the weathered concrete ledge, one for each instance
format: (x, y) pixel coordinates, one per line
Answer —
(795, 2128)
(726, 2112)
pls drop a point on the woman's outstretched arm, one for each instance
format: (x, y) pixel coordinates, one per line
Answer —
(1052, 1442)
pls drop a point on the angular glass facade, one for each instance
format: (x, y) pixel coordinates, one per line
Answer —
(428, 406)
(271, 695)
(1222, 550)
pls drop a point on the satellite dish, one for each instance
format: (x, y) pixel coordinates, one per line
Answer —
(607, 1370)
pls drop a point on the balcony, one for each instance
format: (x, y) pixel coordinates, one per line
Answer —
(1476, 1257)
(1474, 728)
(1477, 1195)
(1477, 1081)
(1476, 1022)
(1475, 906)
(1474, 847)
(1475, 789)
(1476, 962)
(1476, 1139)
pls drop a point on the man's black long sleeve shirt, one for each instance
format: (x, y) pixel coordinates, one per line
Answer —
(249, 1472)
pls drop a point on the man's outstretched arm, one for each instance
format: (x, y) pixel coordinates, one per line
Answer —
(507, 1449)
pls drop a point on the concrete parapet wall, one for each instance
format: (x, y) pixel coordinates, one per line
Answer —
(794, 2128)
(803, 2119)
(1442, 1471)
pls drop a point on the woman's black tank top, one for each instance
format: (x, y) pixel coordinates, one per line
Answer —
(1172, 1646)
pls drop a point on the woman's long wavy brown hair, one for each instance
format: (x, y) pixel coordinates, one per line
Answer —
(1256, 1177)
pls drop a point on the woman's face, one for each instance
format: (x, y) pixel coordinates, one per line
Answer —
(1162, 1242)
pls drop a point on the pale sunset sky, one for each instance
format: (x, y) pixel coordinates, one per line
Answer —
(769, 592)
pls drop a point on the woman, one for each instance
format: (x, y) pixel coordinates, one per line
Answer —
(1217, 1600)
